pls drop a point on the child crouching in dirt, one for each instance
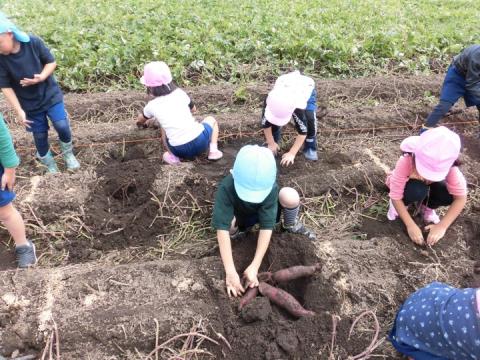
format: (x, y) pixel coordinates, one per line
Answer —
(427, 174)
(439, 322)
(293, 95)
(9, 216)
(183, 137)
(27, 81)
(250, 195)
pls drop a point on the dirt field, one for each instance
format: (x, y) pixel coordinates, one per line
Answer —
(128, 259)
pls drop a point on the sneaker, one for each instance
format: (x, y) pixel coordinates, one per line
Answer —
(26, 255)
(310, 154)
(170, 159)
(429, 215)
(392, 212)
(215, 155)
(299, 228)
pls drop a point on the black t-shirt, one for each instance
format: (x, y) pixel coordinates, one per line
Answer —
(30, 60)
(299, 120)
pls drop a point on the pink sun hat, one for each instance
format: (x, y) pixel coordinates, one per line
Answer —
(280, 107)
(435, 152)
(156, 73)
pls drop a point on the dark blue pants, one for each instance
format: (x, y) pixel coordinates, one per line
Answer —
(433, 195)
(39, 127)
(453, 88)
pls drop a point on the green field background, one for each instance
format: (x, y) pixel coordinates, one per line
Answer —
(103, 45)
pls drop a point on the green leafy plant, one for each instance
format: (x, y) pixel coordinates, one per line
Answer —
(105, 44)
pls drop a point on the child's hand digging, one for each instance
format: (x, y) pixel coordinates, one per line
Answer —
(234, 286)
(415, 234)
(251, 276)
(436, 232)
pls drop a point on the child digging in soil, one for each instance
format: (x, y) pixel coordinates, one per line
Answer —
(183, 137)
(293, 95)
(462, 80)
(9, 216)
(27, 81)
(439, 322)
(250, 195)
(427, 174)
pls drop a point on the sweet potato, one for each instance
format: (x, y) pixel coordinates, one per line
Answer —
(295, 272)
(284, 300)
(249, 295)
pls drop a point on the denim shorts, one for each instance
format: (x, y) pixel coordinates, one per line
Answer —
(6, 196)
(40, 120)
(195, 147)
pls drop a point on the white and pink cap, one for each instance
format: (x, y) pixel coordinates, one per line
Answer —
(280, 107)
(156, 73)
(435, 152)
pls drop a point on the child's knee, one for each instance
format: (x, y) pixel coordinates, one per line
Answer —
(6, 212)
(289, 197)
(415, 190)
(210, 120)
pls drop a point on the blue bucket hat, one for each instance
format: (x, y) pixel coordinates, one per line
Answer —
(6, 25)
(254, 173)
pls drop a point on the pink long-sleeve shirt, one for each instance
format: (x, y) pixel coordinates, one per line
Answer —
(396, 181)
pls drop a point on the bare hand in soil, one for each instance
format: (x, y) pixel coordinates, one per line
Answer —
(415, 234)
(274, 148)
(435, 233)
(234, 287)
(287, 159)
(152, 123)
(250, 275)
(8, 179)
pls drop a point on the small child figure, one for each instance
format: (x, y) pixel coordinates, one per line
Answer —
(250, 195)
(294, 95)
(427, 173)
(462, 80)
(27, 81)
(9, 216)
(183, 137)
(439, 322)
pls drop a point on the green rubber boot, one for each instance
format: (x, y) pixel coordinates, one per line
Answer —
(49, 162)
(70, 159)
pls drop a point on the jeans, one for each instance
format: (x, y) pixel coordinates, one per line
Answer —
(39, 127)
(41, 138)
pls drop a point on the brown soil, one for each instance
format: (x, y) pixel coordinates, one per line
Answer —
(127, 239)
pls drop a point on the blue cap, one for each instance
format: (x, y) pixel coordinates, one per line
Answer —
(6, 25)
(254, 173)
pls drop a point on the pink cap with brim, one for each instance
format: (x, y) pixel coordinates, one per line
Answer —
(435, 152)
(280, 107)
(409, 144)
(156, 73)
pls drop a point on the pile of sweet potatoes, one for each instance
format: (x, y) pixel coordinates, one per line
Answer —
(278, 296)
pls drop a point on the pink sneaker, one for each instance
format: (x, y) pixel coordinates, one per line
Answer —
(215, 155)
(392, 212)
(170, 158)
(429, 215)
